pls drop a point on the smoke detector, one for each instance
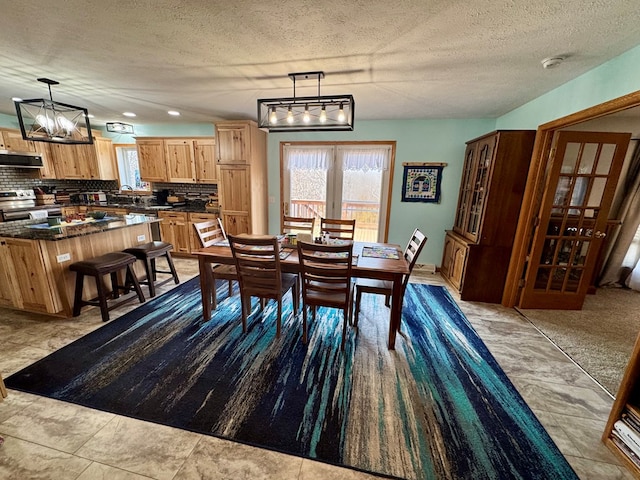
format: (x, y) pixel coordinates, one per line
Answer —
(552, 62)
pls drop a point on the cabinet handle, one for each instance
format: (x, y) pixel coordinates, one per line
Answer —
(599, 234)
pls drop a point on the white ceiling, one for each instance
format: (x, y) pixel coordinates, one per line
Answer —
(212, 60)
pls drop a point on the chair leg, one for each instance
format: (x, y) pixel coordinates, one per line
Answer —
(131, 277)
(150, 268)
(102, 297)
(77, 298)
(344, 328)
(115, 291)
(214, 292)
(295, 291)
(244, 307)
(279, 320)
(172, 268)
(357, 307)
(230, 287)
(304, 323)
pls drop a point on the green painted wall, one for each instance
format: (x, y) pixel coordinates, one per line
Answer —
(163, 130)
(610, 80)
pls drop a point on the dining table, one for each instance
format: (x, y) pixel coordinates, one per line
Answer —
(372, 260)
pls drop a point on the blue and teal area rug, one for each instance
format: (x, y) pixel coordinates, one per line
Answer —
(439, 407)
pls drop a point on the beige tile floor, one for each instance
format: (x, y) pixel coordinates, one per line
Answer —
(49, 439)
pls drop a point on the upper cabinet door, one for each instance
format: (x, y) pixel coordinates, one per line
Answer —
(151, 160)
(233, 141)
(204, 151)
(13, 141)
(572, 221)
(180, 160)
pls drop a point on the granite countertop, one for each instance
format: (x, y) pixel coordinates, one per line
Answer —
(36, 230)
(195, 207)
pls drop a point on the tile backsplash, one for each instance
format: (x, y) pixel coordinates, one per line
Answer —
(24, 178)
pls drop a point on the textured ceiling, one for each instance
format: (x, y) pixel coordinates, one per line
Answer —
(212, 59)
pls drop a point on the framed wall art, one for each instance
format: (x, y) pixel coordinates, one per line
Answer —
(421, 182)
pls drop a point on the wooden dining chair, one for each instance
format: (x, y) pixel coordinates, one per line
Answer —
(210, 233)
(326, 280)
(259, 274)
(221, 225)
(298, 225)
(385, 287)
(338, 228)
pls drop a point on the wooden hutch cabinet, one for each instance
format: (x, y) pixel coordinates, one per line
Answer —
(242, 159)
(478, 248)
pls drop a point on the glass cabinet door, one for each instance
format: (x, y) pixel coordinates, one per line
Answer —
(465, 189)
(480, 187)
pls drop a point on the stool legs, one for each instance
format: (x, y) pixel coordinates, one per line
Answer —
(77, 298)
(152, 271)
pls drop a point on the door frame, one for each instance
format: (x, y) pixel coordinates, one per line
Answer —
(385, 200)
(535, 184)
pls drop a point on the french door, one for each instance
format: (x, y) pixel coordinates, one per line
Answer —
(577, 196)
(349, 181)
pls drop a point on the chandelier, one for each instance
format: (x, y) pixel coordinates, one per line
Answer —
(306, 114)
(43, 120)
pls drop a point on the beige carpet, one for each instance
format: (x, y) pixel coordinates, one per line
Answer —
(600, 337)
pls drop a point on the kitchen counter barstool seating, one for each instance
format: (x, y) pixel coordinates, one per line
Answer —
(338, 228)
(326, 280)
(148, 253)
(259, 274)
(384, 287)
(98, 267)
(298, 225)
(210, 232)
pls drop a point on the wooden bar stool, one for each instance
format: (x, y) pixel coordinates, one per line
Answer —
(148, 253)
(98, 267)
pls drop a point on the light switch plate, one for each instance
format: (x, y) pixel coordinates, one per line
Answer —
(141, 238)
(63, 257)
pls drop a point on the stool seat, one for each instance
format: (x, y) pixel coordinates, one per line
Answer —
(148, 252)
(103, 264)
(151, 249)
(97, 267)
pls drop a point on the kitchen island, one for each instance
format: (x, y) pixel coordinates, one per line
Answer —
(35, 258)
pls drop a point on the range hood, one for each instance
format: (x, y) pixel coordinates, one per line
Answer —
(20, 159)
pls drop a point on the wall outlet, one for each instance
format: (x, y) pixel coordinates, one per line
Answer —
(272, 199)
(141, 238)
(64, 257)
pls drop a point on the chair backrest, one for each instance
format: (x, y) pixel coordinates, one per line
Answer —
(326, 273)
(258, 265)
(298, 224)
(209, 232)
(411, 253)
(338, 228)
(221, 225)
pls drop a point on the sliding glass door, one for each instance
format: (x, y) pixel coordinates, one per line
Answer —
(349, 181)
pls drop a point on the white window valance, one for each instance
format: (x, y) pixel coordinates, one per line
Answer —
(308, 158)
(365, 158)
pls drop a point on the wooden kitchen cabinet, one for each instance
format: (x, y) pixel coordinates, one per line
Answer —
(85, 162)
(180, 160)
(151, 159)
(174, 229)
(11, 139)
(478, 248)
(242, 187)
(204, 152)
(177, 159)
(25, 263)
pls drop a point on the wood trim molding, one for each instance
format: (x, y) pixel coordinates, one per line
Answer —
(535, 185)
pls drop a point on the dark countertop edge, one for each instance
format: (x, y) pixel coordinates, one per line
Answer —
(23, 232)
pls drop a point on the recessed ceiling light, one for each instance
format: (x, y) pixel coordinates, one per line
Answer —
(174, 113)
(552, 62)
(16, 99)
(129, 114)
